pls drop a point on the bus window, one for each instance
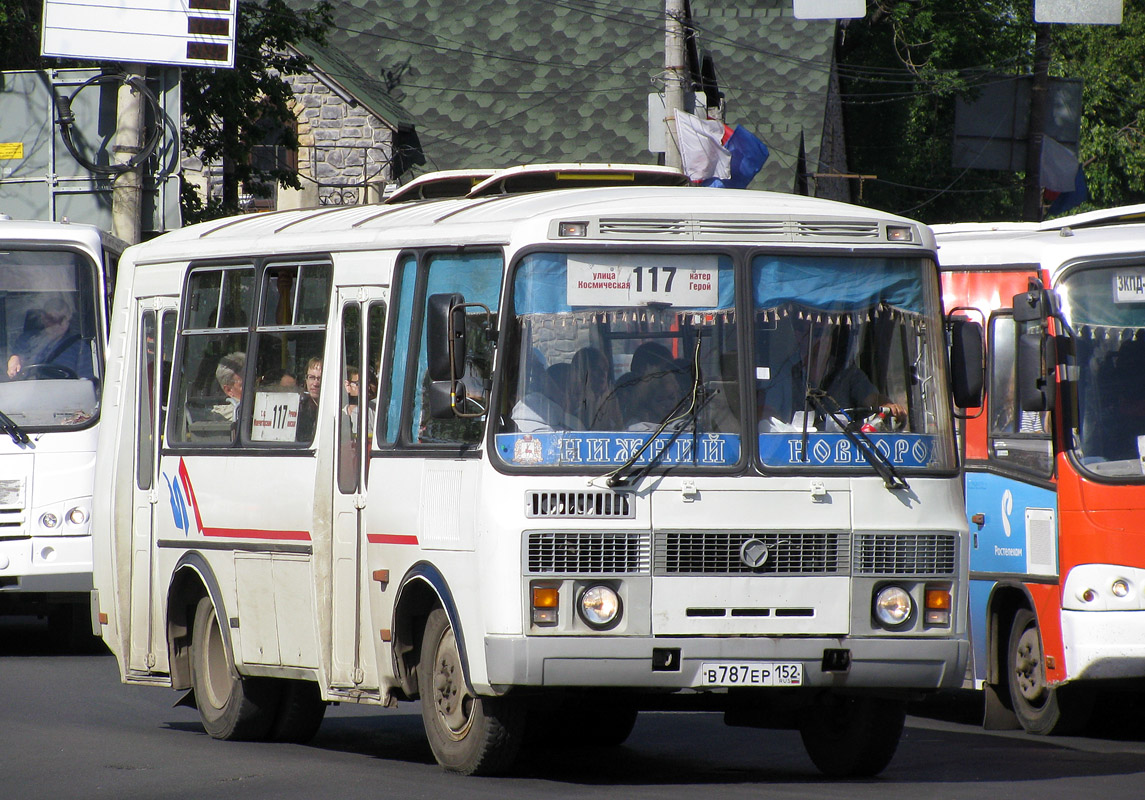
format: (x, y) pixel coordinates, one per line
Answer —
(49, 338)
(619, 343)
(212, 367)
(289, 340)
(1018, 439)
(477, 277)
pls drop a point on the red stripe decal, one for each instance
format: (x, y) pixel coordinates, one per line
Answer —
(390, 538)
(247, 533)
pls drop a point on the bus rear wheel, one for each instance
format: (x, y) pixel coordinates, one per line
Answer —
(1040, 708)
(230, 706)
(468, 734)
(852, 737)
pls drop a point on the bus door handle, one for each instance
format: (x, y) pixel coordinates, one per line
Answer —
(359, 501)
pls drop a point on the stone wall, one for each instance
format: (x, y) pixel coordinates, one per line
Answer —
(343, 158)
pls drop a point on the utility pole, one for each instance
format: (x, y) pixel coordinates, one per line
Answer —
(127, 190)
(674, 76)
(1039, 103)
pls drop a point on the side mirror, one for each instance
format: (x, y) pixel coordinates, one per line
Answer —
(1036, 305)
(445, 336)
(966, 360)
(441, 398)
(1037, 358)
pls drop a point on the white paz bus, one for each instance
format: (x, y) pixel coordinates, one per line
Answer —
(538, 460)
(54, 279)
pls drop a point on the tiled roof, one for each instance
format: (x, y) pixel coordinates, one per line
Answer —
(491, 83)
(369, 91)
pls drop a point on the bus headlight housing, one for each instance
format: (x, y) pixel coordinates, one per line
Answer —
(599, 606)
(893, 606)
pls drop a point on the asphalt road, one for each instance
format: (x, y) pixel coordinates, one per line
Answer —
(69, 729)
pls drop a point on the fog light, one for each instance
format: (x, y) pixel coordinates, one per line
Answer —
(49, 520)
(599, 606)
(1088, 596)
(1120, 588)
(76, 516)
(893, 606)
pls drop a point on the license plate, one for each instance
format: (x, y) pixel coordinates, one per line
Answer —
(750, 673)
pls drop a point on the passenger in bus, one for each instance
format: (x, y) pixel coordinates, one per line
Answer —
(539, 409)
(816, 359)
(352, 386)
(308, 408)
(591, 396)
(648, 357)
(229, 374)
(49, 340)
(278, 380)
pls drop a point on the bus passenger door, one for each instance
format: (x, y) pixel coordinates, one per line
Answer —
(357, 377)
(156, 320)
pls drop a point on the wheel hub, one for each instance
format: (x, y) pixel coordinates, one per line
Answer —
(1027, 666)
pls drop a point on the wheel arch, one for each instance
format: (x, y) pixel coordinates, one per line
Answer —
(1005, 601)
(191, 580)
(422, 589)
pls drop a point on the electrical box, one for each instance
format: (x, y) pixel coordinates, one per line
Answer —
(41, 178)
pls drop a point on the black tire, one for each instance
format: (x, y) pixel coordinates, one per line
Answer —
(300, 712)
(1040, 708)
(468, 734)
(230, 706)
(852, 737)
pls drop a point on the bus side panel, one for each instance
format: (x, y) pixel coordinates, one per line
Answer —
(111, 505)
(257, 536)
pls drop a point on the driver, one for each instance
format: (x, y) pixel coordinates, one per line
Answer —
(48, 340)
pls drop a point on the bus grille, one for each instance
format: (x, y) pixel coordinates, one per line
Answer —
(718, 552)
(905, 554)
(577, 552)
(578, 505)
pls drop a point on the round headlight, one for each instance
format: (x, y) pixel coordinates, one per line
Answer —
(76, 516)
(893, 606)
(1120, 587)
(599, 606)
(49, 520)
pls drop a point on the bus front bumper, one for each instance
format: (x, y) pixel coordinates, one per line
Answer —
(1104, 644)
(675, 663)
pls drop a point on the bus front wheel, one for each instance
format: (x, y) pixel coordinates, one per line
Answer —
(1040, 708)
(852, 737)
(230, 706)
(468, 734)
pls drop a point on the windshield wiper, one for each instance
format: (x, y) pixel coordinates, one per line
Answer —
(12, 429)
(618, 477)
(892, 480)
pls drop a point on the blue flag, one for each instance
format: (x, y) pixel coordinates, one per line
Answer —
(748, 156)
(1064, 202)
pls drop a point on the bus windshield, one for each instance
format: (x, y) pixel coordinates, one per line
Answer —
(48, 338)
(608, 349)
(848, 360)
(1106, 309)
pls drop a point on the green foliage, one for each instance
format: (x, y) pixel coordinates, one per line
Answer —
(20, 34)
(1111, 60)
(227, 112)
(904, 64)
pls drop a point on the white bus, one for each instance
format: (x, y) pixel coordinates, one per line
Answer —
(591, 480)
(54, 293)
